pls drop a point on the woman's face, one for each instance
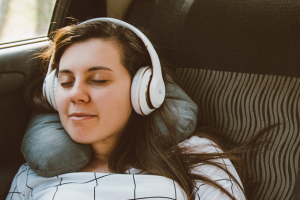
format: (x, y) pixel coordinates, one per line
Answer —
(93, 94)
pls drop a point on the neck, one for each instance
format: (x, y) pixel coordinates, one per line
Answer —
(102, 151)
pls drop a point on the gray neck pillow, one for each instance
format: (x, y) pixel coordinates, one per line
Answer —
(49, 150)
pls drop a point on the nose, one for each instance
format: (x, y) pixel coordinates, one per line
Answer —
(79, 94)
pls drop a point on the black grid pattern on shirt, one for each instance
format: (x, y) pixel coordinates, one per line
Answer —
(229, 178)
(96, 179)
(197, 189)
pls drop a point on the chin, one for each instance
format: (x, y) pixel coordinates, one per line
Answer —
(81, 136)
(81, 140)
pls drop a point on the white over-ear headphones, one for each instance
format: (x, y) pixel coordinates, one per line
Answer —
(147, 88)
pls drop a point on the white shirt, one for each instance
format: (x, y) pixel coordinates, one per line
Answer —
(27, 185)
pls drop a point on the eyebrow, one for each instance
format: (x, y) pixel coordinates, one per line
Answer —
(66, 71)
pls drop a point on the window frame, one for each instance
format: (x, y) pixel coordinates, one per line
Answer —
(62, 12)
(65, 11)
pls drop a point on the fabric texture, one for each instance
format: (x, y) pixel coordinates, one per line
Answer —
(242, 63)
(90, 185)
(239, 36)
(50, 151)
(181, 110)
(239, 105)
(297, 188)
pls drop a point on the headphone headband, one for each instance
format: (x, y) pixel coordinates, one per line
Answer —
(153, 55)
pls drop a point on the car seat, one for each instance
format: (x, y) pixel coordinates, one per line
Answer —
(239, 61)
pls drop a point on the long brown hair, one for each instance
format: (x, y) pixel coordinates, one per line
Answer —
(141, 145)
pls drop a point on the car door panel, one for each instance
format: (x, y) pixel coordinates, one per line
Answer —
(16, 64)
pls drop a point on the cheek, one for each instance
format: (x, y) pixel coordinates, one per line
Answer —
(115, 100)
(114, 106)
(61, 100)
(62, 107)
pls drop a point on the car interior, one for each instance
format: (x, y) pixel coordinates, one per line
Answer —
(237, 60)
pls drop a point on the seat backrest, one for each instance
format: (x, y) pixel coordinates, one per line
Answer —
(239, 61)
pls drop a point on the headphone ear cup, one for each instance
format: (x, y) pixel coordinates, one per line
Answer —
(140, 91)
(50, 87)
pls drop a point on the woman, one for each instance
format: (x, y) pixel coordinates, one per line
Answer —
(95, 63)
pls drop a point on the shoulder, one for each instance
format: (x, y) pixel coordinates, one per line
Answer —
(18, 187)
(199, 145)
(23, 172)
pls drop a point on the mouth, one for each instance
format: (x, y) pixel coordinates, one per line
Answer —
(81, 116)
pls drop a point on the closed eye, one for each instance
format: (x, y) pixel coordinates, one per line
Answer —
(66, 84)
(94, 81)
(99, 81)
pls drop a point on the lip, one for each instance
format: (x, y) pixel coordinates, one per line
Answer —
(81, 116)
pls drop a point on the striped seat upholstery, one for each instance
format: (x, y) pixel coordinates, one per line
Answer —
(240, 62)
(241, 104)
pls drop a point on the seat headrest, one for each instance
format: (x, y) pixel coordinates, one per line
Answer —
(240, 36)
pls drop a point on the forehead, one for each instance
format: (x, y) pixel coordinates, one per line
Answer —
(91, 53)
